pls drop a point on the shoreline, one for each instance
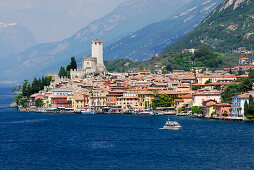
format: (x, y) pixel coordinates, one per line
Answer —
(122, 113)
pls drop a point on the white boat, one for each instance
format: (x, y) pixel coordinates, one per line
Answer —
(87, 111)
(172, 125)
(146, 112)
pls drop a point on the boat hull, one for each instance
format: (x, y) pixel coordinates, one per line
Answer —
(87, 113)
(172, 127)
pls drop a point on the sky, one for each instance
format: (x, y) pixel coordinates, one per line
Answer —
(54, 20)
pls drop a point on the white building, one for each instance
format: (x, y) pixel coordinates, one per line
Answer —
(238, 104)
(93, 64)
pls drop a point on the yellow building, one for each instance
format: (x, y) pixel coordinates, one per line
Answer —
(98, 99)
(80, 101)
(145, 99)
(128, 102)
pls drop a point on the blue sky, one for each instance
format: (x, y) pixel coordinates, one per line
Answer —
(53, 20)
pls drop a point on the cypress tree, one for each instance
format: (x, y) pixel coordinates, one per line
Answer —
(246, 108)
(73, 64)
(251, 105)
(62, 72)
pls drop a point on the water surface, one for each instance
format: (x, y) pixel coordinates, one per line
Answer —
(50, 141)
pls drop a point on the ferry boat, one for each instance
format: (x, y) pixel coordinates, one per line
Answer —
(172, 125)
(87, 111)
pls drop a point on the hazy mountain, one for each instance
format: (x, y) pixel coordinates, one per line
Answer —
(14, 38)
(154, 38)
(230, 26)
(123, 20)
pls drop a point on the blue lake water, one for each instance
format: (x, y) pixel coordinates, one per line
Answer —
(50, 141)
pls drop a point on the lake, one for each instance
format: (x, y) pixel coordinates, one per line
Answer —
(53, 141)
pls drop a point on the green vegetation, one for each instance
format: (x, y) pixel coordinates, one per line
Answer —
(249, 108)
(236, 89)
(21, 100)
(223, 31)
(203, 57)
(16, 89)
(163, 100)
(39, 103)
(197, 110)
(230, 91)
(66, 72)
(124, 65)
(28, 89)
(169, 62)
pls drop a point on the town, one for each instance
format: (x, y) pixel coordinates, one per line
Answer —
(197, 92)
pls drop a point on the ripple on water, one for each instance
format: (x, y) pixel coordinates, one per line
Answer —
(24, 121)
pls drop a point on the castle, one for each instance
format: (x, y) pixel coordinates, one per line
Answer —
(91, 65)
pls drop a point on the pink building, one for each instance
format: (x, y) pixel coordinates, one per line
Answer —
(204, 94)
(223, 110)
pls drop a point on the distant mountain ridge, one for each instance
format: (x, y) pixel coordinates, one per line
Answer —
(153, 38)
(229, 27)
(128, 17)
(14, 38)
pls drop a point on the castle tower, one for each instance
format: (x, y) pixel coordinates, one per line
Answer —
(97, 52)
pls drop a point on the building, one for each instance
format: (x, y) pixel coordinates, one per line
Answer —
(202, 78)
(80, 101)
(91, 65)
(205, 94)
(209, 109)
(197, 69)
(244, 60)
(223, 110)
(128, 101)
(145, 99)
(238, 105)
(61, 102)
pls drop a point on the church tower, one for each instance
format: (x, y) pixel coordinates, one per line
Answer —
(97, 52)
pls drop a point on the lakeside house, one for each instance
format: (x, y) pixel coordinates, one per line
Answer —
(238, 104)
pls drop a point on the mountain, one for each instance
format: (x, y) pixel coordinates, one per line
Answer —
(229, 27)
(128, 17)
(14, 38)
(153, 38)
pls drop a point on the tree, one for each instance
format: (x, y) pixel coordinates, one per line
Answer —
(24, 88)
(208, 81)
(240, 71)
(225, 113)
(246, 108)
(163, 100)
(246, 85)
(179, 109)
(62, 72)
(251, 105)
(73, 64)
(146, 105)
(195, 87)
(197, 110)
(230, 91)
(39, 103)
(230, 71)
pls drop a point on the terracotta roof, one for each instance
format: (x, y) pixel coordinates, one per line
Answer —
(145, 92)
(167, 92)
(240, 76)
(187, 96)
(78, 96)
(129, 97)
(223, 104)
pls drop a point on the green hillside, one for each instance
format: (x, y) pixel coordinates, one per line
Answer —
(229, 27)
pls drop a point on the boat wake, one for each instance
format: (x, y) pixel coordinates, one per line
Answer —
(24, 121)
